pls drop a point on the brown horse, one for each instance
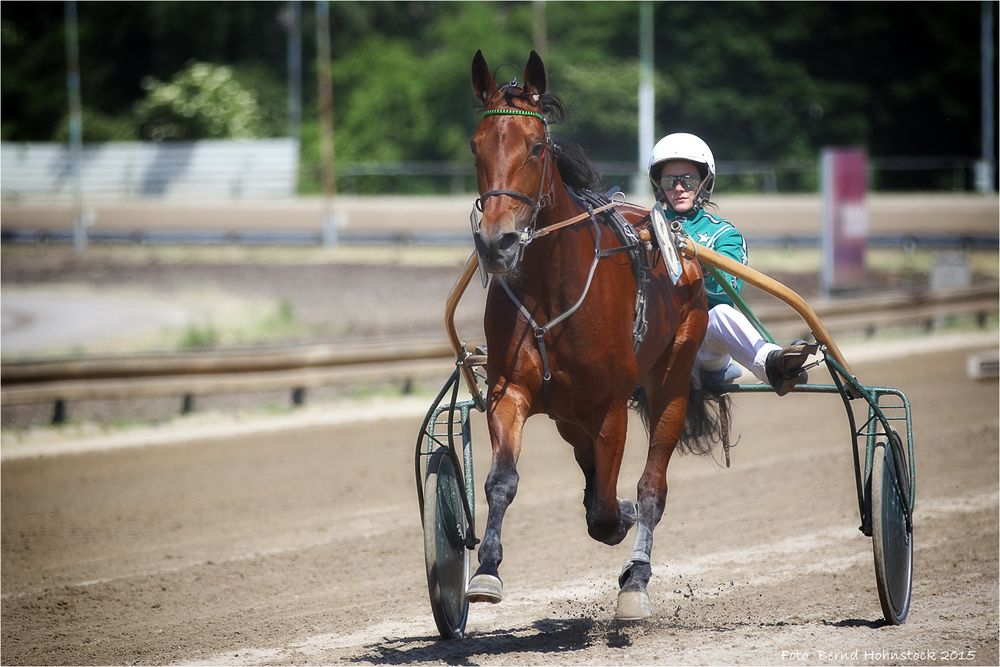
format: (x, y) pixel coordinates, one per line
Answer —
(559, 327)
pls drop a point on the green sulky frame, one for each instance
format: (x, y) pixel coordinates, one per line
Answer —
(886, 405)
(885, 480)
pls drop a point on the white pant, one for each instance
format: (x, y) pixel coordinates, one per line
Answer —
(731, 336)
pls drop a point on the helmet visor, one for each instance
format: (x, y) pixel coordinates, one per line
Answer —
(688, 182)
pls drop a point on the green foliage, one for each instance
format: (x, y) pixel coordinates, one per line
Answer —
(197, 336)
(403, 99)
(276, 323)
(607, 129)
(100, 127)
(201, 101)
(33, 79)
(759, 81)
(310, 177)
(383, 117)
(272, 98)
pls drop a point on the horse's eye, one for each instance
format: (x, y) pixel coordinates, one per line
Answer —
(537, 149)
(472, 147)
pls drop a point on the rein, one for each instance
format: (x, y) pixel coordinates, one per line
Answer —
(579, 218)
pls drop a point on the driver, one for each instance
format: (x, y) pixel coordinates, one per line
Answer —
(682, 171)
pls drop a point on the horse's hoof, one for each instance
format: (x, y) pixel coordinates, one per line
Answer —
(629, 513)
(484, 588)
(633, 606)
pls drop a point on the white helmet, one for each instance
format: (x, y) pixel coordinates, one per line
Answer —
(684, 146)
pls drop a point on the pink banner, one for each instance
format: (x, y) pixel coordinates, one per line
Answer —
(845, 218)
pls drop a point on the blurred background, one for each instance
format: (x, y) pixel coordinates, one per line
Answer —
(769, 84)
(182, 178)
(229, 231)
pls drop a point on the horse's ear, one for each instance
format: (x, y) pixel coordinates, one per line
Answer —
(482, 78)
(534, 74)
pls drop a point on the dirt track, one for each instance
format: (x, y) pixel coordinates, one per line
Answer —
(305, 548)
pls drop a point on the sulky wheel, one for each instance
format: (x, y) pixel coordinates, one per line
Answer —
(892, 540)
(445, 554)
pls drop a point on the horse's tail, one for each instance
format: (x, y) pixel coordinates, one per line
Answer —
(706, 422)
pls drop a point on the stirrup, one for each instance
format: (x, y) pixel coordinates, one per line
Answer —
(784, 366)
(794, 356)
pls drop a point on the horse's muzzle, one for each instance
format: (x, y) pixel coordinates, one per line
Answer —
(499, 253)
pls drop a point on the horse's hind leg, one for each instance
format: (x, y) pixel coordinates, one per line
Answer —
(506, 418)
(633, 600)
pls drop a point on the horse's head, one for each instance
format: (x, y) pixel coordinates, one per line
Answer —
(514, 163)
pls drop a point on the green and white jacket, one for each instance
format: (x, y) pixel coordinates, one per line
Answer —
(719, 235)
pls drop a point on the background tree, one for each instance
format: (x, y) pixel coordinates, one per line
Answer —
(759, 80)
(201, 101)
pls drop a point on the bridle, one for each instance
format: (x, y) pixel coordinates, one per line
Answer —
(540, 201)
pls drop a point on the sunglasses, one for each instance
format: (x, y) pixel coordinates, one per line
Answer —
(687, 181)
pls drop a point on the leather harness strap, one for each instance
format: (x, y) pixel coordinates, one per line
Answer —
(575, 219)
(539, 331)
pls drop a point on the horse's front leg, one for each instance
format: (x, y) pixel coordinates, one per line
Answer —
(609, 518)
(506, 416)
(668, 408)
(605, 527)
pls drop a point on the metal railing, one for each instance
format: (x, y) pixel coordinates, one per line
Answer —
(298, 368)
(762, 176)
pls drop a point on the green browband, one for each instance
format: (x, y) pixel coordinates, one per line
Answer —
(513, 112)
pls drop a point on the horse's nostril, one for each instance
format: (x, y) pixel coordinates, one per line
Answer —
(508, 239)
(480, 243)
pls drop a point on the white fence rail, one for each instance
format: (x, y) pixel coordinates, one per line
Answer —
(261, 169)
(221, 170)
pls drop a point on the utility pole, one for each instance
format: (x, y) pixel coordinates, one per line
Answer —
(539, 30)
(330, 222)
(984, 169)
(75, 126)
(645, 92)
(291, 19)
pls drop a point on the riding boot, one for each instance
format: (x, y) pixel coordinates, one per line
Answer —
(784, 366)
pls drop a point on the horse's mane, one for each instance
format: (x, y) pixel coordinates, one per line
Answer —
(575, 167)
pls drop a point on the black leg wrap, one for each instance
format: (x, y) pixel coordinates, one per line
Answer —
(636, 576)
(629, 513)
